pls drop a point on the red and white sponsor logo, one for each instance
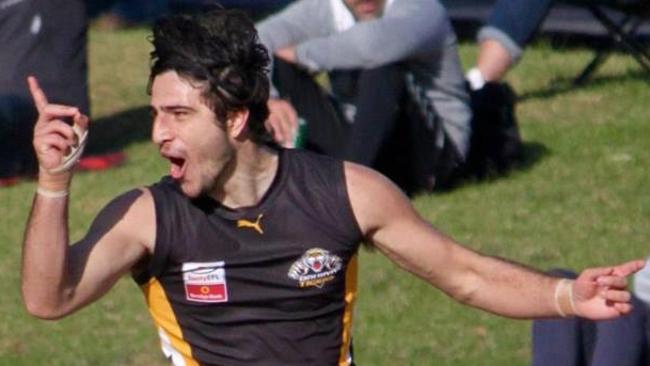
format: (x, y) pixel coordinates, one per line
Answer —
(205, 282)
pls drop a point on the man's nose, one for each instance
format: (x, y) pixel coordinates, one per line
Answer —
(160, 131)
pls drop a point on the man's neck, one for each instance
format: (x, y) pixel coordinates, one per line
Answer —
(252, 172)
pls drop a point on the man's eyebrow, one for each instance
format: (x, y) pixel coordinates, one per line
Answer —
(176, 107)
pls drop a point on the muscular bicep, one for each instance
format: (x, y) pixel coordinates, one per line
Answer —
(391, 224)
(119, 238)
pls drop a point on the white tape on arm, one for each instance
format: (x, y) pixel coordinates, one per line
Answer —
(51, 194)
(76, 150)
(563, 298)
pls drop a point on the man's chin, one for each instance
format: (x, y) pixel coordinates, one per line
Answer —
(364, 17)
(189, 190)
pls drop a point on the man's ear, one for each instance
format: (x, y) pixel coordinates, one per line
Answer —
(237, 121)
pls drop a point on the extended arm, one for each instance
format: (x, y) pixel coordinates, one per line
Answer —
(489, 283)
(57, 278)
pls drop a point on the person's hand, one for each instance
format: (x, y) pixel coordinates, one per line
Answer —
(287, 54)
(56, 143)
(282, 122)
(600, 293)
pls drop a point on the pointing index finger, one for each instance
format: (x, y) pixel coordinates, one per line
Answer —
(629, 268)
(40, 100)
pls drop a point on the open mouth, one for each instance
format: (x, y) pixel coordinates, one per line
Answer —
(177, 169)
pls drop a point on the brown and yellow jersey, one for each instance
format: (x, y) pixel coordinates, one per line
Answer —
(272, 284)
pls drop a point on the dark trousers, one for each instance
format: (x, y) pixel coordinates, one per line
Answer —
(387, 131)
(581, 342)
(519, 19)
(326, 129)
(17, 117)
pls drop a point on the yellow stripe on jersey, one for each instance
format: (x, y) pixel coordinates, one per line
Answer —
(164, 317)
(350, 299)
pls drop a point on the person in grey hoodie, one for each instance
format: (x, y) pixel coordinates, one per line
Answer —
(392, 65)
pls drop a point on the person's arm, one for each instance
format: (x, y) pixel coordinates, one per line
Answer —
(296, 23)
(282, 122)
(58, 279)
(408, 28)
(492, 284)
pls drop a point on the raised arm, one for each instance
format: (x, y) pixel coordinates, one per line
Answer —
(492, 284)
(57, 279)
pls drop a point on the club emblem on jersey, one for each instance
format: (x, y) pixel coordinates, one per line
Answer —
(315, 268)
(205, 282)
(255, 225)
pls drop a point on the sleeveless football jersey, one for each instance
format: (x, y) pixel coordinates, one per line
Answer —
(271, 284)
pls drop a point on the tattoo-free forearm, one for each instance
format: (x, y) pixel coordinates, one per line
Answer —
(509, 289)
(45, 250)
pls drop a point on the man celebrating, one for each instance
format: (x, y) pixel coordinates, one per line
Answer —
(246, 253)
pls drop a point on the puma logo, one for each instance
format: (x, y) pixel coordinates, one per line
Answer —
(255, 225)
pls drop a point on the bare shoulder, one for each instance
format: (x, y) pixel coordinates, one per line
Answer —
(362, 181)
(374, 198)
(129, 217)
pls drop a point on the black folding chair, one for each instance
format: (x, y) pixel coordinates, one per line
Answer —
(621, 19)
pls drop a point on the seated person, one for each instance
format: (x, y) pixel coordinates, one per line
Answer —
(582, 342)
(391, 64)
(48, 40)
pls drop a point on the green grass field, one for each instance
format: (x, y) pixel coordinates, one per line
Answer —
(582, 199)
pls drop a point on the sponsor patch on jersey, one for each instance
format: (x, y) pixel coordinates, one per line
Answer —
(205, 282)
(315, 268)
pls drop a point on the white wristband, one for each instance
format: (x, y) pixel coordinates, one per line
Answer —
(564, 293)
(571, 302)
(51, 194)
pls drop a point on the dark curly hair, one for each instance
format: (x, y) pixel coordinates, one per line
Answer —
(220, 48)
